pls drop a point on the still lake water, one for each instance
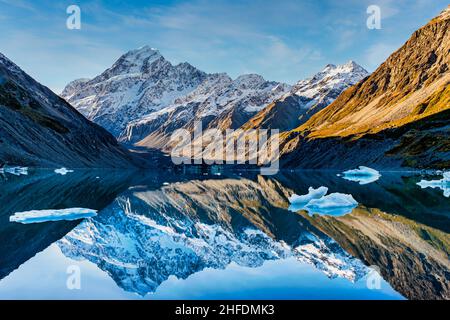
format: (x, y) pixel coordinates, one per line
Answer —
(228, 235)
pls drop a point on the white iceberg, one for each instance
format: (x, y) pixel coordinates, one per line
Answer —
(335, 204)
(17, 171)
(446, 176)
(363, 175)
(38, 216)
(63, 171)
(312, 194)
(316, 201)
(443, 184)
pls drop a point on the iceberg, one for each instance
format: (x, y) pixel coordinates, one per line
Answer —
(443, 184)
(446, 176)
(335, 204)
(39, 216)
(63, 171)
(316, 201)
(17, 171)
(312, 194)
(363, 175)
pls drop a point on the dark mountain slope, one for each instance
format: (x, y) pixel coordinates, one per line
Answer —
(38, 128)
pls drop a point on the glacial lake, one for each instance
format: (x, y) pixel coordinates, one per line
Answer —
(193, 234)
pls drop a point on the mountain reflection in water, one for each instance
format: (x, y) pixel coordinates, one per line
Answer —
(154, 225)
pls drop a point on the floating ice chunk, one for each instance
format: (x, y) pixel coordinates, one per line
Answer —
(443, 184)
(316, 201)
(17, 171)
(38, 216)
(312, 194)
(63, 171)
(446, 176)
(363, 175)
(336, 204)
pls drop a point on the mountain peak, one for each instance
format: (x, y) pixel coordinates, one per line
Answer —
(138, 57)
(351, 70)
(144, 51)
(352, 64)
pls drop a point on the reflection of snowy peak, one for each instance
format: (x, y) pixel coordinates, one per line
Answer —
(145, 237)
(140, 254)
(308, 97)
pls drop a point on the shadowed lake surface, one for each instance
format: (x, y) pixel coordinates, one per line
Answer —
(193, 234)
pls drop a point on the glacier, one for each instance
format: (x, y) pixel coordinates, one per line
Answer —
(363, 175)
(39, 216)
(443, 184)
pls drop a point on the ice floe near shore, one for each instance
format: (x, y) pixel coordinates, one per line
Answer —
(363, 175)
(38, 216)
(316, 201)
(443, 184)
(63, 171)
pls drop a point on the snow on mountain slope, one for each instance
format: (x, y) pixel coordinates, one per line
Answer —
(330, 82)
(143, 98)
(219, 102)
(139, 82)
(308, 97)
(142, 90)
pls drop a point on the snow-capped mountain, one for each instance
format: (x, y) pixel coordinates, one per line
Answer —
(218, 102)
(396, 117)
(308, 97)
(325, 86)
(140, 82)
(142, 87)
(146, 236)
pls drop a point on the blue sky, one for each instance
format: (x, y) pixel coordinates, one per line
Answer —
(283, 40)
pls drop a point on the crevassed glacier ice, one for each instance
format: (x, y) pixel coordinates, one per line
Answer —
(335, 204)
(312, 194)
(443, 184)
(63, 171)
(38, 216)
(363, 175)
